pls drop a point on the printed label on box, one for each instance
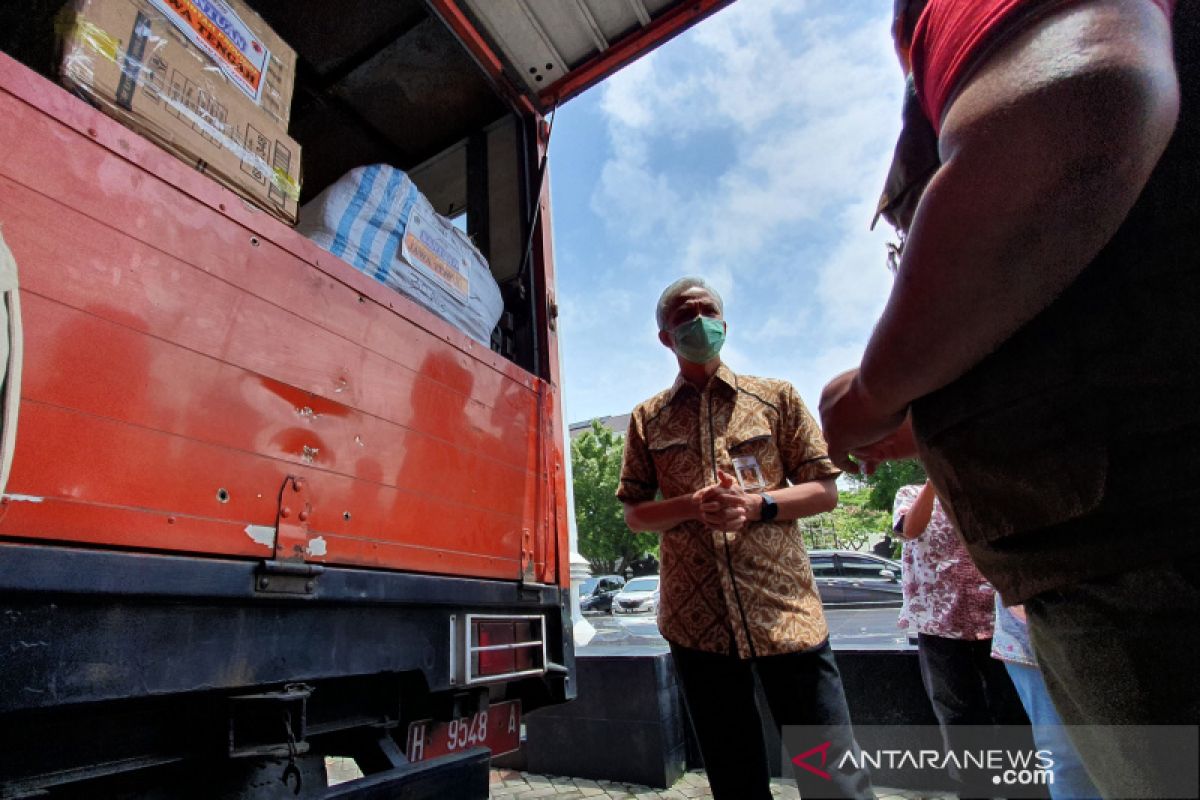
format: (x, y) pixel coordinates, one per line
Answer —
(213, 27)
(431, 248)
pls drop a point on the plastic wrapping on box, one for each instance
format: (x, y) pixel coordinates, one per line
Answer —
(206, 79)
(376, 219)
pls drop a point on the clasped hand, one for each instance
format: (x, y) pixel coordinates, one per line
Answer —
(724, 506)
(854, 426)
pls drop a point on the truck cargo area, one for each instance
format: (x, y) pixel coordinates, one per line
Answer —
(264, 509)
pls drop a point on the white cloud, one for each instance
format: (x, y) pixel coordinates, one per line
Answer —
(751, 151)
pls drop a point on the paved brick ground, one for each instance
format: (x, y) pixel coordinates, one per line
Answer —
(510, 785)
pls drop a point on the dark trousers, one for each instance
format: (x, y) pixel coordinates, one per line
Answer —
(967, 687)
(1125, 651)
(801, 689)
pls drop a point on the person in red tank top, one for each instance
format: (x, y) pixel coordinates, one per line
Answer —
(951, 38)
(1061, 198)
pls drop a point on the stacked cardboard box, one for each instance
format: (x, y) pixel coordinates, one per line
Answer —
(206, 79)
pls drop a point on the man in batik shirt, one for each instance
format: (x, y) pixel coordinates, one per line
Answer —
(736, 460)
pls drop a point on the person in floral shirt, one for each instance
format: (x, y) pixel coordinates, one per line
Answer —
(952, 607)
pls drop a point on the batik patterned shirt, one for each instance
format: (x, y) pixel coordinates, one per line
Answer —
(944, 594)
(749, 592)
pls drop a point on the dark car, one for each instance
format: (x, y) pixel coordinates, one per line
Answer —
(596, 593)
(845, 578)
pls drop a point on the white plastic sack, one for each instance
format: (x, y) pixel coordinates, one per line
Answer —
(376, 219)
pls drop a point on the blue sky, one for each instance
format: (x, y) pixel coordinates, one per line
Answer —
(749, 151)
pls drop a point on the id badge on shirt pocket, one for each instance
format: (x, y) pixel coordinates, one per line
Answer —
(748, 473)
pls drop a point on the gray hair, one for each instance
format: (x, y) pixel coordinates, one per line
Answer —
(672, 292)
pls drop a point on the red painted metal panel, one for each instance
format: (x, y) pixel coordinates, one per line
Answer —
(178, 344)
(143, 479)
(117, 278)
(239, 410)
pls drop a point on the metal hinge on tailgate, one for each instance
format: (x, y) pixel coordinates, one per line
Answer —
(288, 572)
(528, 570)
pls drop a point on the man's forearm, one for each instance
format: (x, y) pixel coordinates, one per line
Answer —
(1038, 175)
(661, 515)
(800, 501)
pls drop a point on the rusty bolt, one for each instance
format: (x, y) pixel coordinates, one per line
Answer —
(170, 520)
(303, 516)
(93, 132)
(298, 484)
(285, 512)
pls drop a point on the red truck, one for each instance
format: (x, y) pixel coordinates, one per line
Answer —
(259, 509)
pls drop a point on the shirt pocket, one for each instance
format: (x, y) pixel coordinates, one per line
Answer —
(757, 444)
(678, 468)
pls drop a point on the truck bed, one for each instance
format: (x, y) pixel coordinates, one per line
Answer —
(185, 355)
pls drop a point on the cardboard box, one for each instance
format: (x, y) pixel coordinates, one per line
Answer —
(205, 79)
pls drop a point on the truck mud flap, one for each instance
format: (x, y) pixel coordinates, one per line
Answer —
(462, 775)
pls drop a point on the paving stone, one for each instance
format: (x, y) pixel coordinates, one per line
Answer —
(545, 791)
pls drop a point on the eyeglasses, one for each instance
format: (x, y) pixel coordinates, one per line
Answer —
(895, 250)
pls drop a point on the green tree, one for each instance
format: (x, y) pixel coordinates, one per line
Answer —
(604, 539)
(853, 525)
(888, 478)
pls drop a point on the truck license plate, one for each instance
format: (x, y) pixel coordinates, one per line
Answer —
(498, 728)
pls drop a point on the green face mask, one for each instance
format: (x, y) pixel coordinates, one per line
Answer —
(699, 340)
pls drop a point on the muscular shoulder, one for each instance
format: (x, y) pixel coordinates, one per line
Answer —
(1029, 45)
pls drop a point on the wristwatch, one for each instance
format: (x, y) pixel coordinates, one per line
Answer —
(769, 509)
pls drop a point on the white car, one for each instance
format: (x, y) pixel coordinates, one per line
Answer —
(639, 596)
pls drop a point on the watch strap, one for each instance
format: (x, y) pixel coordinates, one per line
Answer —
(769, 509)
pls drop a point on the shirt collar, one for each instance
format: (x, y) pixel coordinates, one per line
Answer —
(723, 374)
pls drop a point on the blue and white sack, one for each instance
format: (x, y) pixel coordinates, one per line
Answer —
(376, 219)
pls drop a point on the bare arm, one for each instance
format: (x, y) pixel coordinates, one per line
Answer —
(916, 521)
(1044, 152)
(797, 502)
(662, 515)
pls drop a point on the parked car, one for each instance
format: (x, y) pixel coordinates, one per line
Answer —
(845, 577)
(596, 593)
(639, 596)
